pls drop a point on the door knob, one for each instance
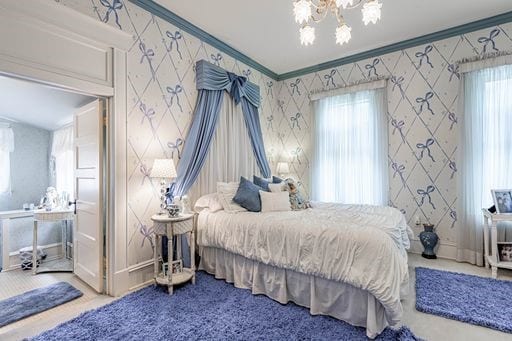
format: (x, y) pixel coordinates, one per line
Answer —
(73, 203)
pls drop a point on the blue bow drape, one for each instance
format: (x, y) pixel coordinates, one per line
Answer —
(211, 81)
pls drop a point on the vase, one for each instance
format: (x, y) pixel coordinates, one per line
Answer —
(429, 241)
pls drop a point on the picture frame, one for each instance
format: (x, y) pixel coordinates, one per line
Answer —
(502, 200)
(177, 266)
(505, 252)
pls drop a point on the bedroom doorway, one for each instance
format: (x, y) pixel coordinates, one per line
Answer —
(52, 147)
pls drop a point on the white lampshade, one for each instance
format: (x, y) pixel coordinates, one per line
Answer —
(307, 35)
(282, 168)
(163, 168)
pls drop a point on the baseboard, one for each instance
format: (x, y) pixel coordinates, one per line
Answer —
(133, 277)
(444, 250)
(53, 252)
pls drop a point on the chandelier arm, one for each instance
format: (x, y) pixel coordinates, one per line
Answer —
(359, 2)
(322, 14)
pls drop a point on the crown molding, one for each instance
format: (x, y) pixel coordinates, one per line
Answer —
(190, 28)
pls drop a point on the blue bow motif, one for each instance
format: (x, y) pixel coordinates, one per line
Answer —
(247, 73)
(237, 85)
(424, 55)
(373, 67)
(270, 93)
(330, 78)
(453, 119)
(295, 86)
(174, 40)
(148, 113)
(280, 104)
(397, 82)
(175, 146)
(147, 233)
(489, 40)
(280, 136)
(454, 71)
(398, 125)
(112, 9)
(453, 167)
(426, 194)
(453, 215)
(295, 120)
(296, 154)
(398, 169)
(216, 58)
(148, 54)
(174, 92)
(426, 147)
(145, 172)
(422, 101)
(269, 121)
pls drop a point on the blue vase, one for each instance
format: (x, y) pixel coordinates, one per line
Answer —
(429, 241)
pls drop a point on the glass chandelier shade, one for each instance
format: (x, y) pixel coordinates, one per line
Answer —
(307, 35)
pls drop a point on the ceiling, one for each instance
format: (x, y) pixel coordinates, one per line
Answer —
(265, 30)
(38, 105)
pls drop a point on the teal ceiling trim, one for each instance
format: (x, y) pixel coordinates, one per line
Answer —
(190, 28)
(162, 12)
(428, 38)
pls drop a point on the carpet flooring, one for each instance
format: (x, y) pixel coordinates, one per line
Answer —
(210, 310)
(477, 300)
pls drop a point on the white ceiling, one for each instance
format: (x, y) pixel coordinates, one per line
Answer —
(265, 30)
(38, 105)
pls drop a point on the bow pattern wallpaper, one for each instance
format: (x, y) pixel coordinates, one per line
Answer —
(422, 113)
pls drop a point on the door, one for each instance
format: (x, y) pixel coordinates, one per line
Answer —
(88, 227)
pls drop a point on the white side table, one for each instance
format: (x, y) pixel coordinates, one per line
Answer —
(170, 227)
(493, 259)
(53, 215)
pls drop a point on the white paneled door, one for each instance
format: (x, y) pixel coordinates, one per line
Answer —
(88, 159)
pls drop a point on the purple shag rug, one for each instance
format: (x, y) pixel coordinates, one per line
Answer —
(210, 310)
(477, 300)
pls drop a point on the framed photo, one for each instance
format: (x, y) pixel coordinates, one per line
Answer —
(177, 266)
(505, 252)
(502, 200)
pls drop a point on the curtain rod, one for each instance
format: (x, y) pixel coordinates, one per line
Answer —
(361, 85)
(483, 61)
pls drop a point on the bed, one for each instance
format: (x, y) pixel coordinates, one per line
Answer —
(346, 261)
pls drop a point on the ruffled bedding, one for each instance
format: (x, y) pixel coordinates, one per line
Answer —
(361, 245)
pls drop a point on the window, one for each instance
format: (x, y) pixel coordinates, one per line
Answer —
(350, 149)
(62, 156)
(6, 147)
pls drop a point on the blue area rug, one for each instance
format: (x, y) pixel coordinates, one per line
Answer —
(477, 300)
(36, 301)
(210, 310)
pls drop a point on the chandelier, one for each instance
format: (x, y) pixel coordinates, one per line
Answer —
(307, 11)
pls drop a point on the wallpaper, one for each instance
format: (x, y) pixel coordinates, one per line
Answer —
(161, 99)
(422, 113)
(422, 121)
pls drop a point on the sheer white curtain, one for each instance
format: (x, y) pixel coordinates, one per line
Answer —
(6, 147)
(230, 155)
(485, 153)
(350, 148)
(62, 155)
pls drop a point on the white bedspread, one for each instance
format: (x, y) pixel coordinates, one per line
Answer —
(361, 245)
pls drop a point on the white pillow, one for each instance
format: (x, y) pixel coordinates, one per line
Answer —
(226, 191)
(271, 202)
(276, 188)
(208, 201)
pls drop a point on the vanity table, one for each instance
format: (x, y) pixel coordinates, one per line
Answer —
(54, 215)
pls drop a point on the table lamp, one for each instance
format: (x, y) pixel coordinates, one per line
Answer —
(163, 169)
(282, 168)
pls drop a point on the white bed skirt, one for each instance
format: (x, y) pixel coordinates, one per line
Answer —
(321, 296)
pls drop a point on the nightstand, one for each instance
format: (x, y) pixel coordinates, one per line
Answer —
(173, 272)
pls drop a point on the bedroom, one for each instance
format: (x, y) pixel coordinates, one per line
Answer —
(410, 69)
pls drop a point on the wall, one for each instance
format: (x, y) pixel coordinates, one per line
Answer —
(29, 166)
(422, 111)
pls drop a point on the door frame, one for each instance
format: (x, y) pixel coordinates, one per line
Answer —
(98, 68)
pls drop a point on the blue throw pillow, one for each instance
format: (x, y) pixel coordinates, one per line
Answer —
(261, 182)
(276, 180)
(248, 195)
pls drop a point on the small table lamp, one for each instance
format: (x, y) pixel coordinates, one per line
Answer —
(282, 168)
(163, 169)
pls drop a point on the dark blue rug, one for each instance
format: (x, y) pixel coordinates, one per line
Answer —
(36, 301)
(477, 300)
(210, 310)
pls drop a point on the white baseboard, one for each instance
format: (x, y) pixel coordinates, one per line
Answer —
(133, 277)
(443, 250)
